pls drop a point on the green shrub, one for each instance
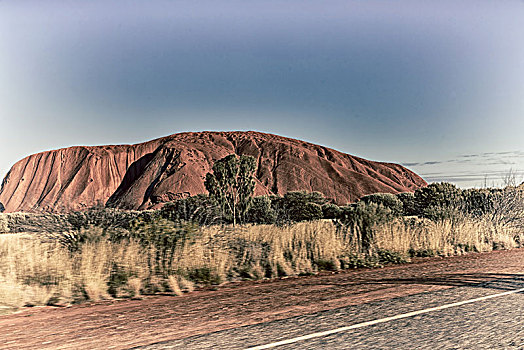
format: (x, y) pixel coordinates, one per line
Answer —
(326, 265)
(387, 200)
(390, 257)
(199, 209)
(34, 222)
(438, 201)
(298, 206)
(204, 275)
(422, 253)
(261, 211)
(408, 203)
(165, 237)
(73, 240)
(353, 261)
(107, 218)
(117, 279)
(364, 216)
(478, 202)
(331, 211)
(312, 211)
(377, 259)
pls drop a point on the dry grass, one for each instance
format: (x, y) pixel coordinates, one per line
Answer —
(448, 237)
(185, 285)
(38, 273)
(173, 284)
(32, 272)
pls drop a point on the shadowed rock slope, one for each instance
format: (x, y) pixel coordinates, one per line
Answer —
(145, 175)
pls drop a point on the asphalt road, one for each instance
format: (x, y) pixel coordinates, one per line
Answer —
(494, 323)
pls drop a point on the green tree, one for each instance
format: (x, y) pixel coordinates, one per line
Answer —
(438, 201)
(232, 184)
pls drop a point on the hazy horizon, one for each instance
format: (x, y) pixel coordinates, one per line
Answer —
(435, 86)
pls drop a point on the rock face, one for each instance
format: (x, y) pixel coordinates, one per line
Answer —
(146, 175)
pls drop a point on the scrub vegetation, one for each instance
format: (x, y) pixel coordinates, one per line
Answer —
(201, 241)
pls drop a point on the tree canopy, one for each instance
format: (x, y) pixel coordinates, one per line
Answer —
(232, 184)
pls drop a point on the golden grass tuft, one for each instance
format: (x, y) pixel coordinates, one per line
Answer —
(135, 285)
(173, 285)
(185, 285)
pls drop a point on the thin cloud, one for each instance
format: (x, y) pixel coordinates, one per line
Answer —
(466, 179)
(487, 158)
(433, 162)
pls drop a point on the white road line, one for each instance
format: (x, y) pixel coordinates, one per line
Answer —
(382, 320)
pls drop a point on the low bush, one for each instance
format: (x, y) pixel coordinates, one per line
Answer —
(107, 218)
(204, 275)
(387, 200)
(261, 211)
(32, 222)
(438, 201)
(408, 203)
(326, 265)
(385, 257)
(4, 224)
(199, 209)
(331, 211)
(377, 259)
(421, 253)
(363, 217)
(298, 206)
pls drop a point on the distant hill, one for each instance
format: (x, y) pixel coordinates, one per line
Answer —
(148, 174)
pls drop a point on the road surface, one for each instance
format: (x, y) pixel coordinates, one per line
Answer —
(480, 317)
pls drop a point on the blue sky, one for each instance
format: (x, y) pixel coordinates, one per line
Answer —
(435, 85)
